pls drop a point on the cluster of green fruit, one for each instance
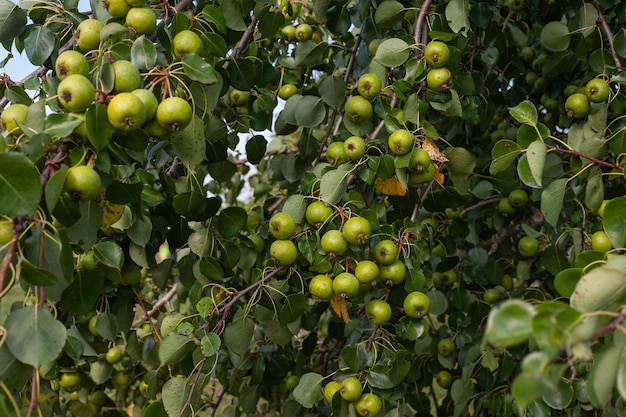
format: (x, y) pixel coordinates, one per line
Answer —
(350, 389)
(437, 55)
(578, 104)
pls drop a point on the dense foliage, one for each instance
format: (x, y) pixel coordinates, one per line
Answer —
(324, 207)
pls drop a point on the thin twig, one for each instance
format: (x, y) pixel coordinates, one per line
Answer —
(33, 394)
(160, 303)
(193, 387)
(245, 39)
(609, 35)
(215, 404)
(480, 204)
(591, 158)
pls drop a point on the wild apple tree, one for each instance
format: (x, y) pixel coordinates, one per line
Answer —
(317, 207)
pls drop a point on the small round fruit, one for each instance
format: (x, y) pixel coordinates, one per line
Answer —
(507, 282)
(121, 379)
(88, 34)
(439, 79)
(372, 48)
(170, 322)
(445, 347)
(239, 98)
(321, 287)
(491, 295)
(393, 273)
(282, 226)
(126, 112)
(154, 130)
(346, 285)
(351, 389)
(369, 85)
(336, 154)
(420, 160)
(71, 62)
(291, 382)
(597, 90)
(504, 206)
(401, 142)
(518, 198)
(426, 175)
(527, 53)
(303, 32)
(75, 93)
(6, 232)
(149, 101)
(333, 242)
(131, 274)
(600, 241)
(354, 147)
(69, 379)
(283, 251)
(97, 398)
(114, 355)
(142, 20)
(452, 212)
(288, 32)
(378, 312)
(386, 252)
(11, 116)
(287, 90)
(577, 106)
(318, 213)
(92, 325)
(187, 42)
(436, 54)
(416, 304)
(443, 379)
(368, 405)
(449, 277)
(357, 230)
(116, 8)
(127, 76)
(174, 113)
(330, 390)
(528, 246)
(366, 271)
(358, 109)
(82, 182)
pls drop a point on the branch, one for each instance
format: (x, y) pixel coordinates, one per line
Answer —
(218, 400)
(245, 39)
(582, 155)
(34, 403)
(504, 234)
(6, 263)
(609, 35)
(609, 327)
(193, 387)
(480, 204)
(160, 303)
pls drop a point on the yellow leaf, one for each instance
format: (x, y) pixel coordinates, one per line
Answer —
(390, 186)
(433, 151)
(438, 175)
(110, 212)
(340, 308)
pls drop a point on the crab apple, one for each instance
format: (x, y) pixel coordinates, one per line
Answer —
(427, 175)
(386, 252)
(321, 287)
(287, 91)
(88, 34)
(351, 389)
(282, 226)
(518, 198)
(354, 147)
(369, 85)
(82, 182)
(116, 8)
(71, 62)
(600, 241)
(368, 405)
(420, 160)
(393, 273)
(76, 93)
(346, 285)
(357, 230)
(304, 31)
(528, 246)
(336, 154)
(401, 142)
(127, 76)
(11, 116)
(174, 113)
(378, 311)
(439, 79)
(333, 242)
(330, 390)
(318, 213)
(443, 379)
(436, 54)
(366, 271)
(149, 101)
(358, 109)
(283, 251)
(416, 304)
(142, 20)
(445, 347)
(187, 42)
(126, 112)
(577, 105)
(597, 90)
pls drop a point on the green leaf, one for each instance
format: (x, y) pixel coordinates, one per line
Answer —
(598, 288)
(242, 73)
(20, 186)
(61, 124)
(174, 394)
(99, 129)
(14, 373)
(155, 409)
(461, 162)
(555, 37)
(332, 90)
(189, 143)
(525, 113)
(333, 184)
(34, 336)
(614, 221)
(566, 280)
(310, 111)
(457, 15)
(231, 220)
(175, 348)
(295, 205)
(560, 397)
(256, 147)
(12, 20)
(378, 377)
(503, 154)
(602, 377)
(238, 334)
(109, 253)
(308, 392)
(211, 344)
(552, 200)
(536, 155)
(143, 53)
(198, 69)
(389, 14)
(509, 323)
(39, 43)
(36, 276)
(81, 295)
(294, 306)
(392, 52)
(106, 326)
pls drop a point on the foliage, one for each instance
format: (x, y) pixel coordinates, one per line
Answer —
(169, 255)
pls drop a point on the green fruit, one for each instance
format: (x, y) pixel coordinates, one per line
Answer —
(330, 390)
(346, 285)
(282, 226)
(531, 78)
(291, 382)
(318, 213)
(288, 32)
(491, 295)
(401, 142)
(426, 175)
(259, 243)
(528, 246)
(283, 251)
(518, 198)
(92, 325)
(354, 147)
(420, 160)
(366, 271)
(393, 273)
(333, 242)
(336, 154)
(515, 5)
(351, 389)
(378, 312)
(114, 355)
(416, 304)
(121, 379)
(169, 323)
(368, 405)
(369, 86)
(287, 90)
(71, 62)
(6, 232)
(373, 46)
(97, 398)
(449, 277)
(507, 282)
(597, 90)
(11, 116)
(504, 206)
(88, 260)
(321, 287)
(88, 34)
(69, 379)
(126, 112)
(357, 230)
(75, 92)
(358, 109)
(142, 20)
(436, 54)
(127, 76)
(82, 182)
(601, 242)
(452, 212)
(386, 252)
(187, 42)
(528, 53)
(153, 129)
(149, 100)
(445, 347)
(116, 8)
(577, 106)
(130, 274)
(239, 98)
(174, 114)
(303, 32)
(439, 79)
(443, 379)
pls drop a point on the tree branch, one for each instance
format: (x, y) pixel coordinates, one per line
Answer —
(160, 303)
(591, 158)
(609, 35)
